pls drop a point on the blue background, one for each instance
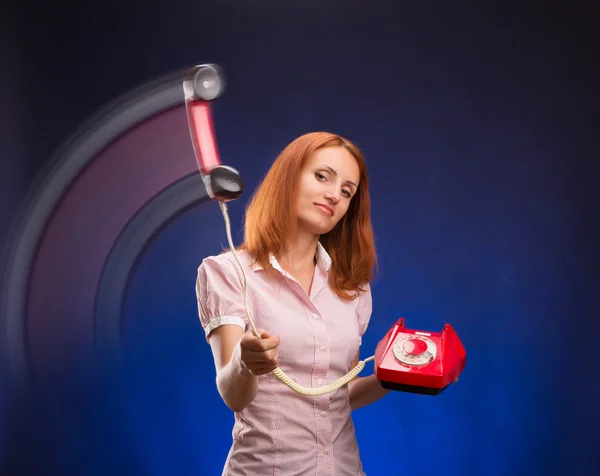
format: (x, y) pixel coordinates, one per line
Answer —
(479, 127)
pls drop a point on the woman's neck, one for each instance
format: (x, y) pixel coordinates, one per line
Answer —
(300, 253)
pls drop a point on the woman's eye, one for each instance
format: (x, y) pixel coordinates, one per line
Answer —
(346, 192)
(320, 176)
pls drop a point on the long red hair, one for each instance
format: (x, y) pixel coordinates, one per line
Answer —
(350, 244)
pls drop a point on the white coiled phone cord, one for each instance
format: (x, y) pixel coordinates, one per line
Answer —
(280, 374)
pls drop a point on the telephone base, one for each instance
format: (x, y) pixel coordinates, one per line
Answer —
(402, 387)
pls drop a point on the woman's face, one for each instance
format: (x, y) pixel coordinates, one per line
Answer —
(328, 181)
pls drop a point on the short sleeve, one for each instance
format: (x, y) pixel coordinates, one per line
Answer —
(219, 294)
(364, 310)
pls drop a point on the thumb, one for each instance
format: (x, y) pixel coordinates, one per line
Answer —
(273, 340)
(263, 333)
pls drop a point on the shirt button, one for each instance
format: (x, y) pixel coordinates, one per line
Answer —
(325, 451)
(316, 316)
(322, 348)
(319, 382)
(323, 414)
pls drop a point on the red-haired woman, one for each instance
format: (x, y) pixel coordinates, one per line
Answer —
(308, 255)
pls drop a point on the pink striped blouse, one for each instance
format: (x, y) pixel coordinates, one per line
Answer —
(282, 432)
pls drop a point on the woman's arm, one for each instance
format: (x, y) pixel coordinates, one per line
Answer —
(236, 385)
(364, 390)
(239, 358)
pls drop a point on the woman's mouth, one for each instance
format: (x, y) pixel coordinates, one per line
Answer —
(327, 209)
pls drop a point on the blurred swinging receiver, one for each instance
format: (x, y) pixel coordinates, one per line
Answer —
(419, 362)
(405, 360)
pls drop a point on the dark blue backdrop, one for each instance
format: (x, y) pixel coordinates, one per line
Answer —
(478, 130)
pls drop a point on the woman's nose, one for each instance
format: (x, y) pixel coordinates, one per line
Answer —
(333, 195)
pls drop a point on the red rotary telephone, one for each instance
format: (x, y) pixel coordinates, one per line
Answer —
(419, 362)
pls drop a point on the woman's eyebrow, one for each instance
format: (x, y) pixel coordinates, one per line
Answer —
(335, 173)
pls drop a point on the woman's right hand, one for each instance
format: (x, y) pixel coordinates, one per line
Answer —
(259, 356)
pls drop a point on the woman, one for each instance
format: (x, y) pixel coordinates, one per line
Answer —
(309, 255)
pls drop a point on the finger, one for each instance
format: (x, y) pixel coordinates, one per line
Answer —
(261, 345)
(262, 332)
(249, 340)
(268, 339)
(263, 369)
(260, 357)
(259, 368)
(271, 342)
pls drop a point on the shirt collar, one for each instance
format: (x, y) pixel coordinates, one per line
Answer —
(323, 260)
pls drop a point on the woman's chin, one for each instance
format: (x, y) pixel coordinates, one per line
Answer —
(317, 223)
(320, 229)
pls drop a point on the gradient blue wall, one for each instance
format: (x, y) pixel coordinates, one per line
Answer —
(477, 130)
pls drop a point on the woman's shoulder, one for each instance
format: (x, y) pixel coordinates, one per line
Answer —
(364, 307)
(364, 298)
(363, 292)
(225, 262)
(220, 258)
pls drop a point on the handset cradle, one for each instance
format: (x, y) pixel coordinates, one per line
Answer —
(419, 362)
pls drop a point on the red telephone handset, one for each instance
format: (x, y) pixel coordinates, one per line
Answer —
(419, 362)
(203, 84)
